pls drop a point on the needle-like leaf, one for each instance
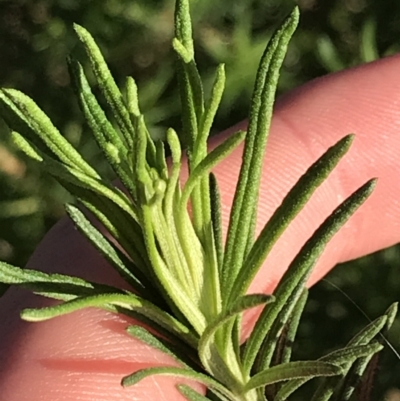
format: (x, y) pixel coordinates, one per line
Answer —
(107, 84)
(292, 370)
(246, 195)
(191, 394)
(23, 115)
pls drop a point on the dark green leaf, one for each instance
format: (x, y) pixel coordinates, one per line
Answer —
(301, 267)
(246, 195)
(290, 371)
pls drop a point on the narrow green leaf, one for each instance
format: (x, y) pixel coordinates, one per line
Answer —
(106, 301)
(118, 223)
(211, 160)
(293, 325)
(175, 255)
(290, 371)
(105, 202)
(106, 137)
(141, 166)
(211, 302)
(173, 181)
(270, 343)
(360, 376)
(200, 147)
(112, 254)
(102, 201)
(190, 85)
(301, 267)
(197, 90)
(350, 353)
(325, 389)
(183, 26)
(107, 84)
(25, 146)
(363, 338)
(291, 205)
(161, 163)
(216, 219)
(92, 109)
(246, 194)
(391, 314)
(132, 97)
(175, 333)
(189, 119)
(341, 389)
(369, 332)
(76, 178)
(178, 372)
(191, 394)
(283, 347)
(23, 115)
(181, 353)
(113, 302)
(56, 286)
(169, 211)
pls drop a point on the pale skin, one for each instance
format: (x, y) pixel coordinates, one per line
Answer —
(82, 356)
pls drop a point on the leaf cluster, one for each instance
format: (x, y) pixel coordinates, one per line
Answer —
(185, 283)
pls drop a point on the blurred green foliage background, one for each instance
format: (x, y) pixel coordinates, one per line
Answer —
(135, 35)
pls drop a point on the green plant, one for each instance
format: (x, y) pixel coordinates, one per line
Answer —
(186, 284)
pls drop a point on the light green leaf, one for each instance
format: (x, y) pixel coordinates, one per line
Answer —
(25, 146)
(106, 301)
(183, 26)
(211, 160)
(23, 115)
(177, 296)
(132, 97)
(107, 84)
(106, 136)
(117, 303)
(200, 146)
(391, 314)
(209, 349)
